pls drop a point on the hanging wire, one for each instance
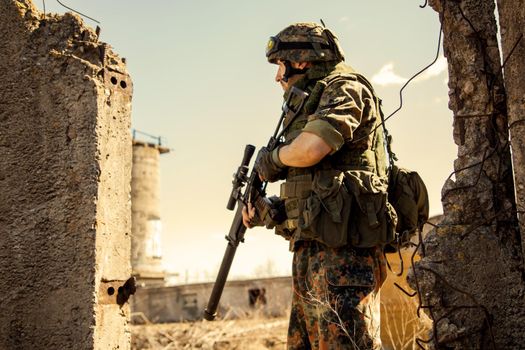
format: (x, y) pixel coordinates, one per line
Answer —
(69, 8)
(512, 50)
(424, 5)
(415, 75)
(382, 123)
(481, 163)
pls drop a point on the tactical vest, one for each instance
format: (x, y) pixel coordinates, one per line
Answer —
(343, 197)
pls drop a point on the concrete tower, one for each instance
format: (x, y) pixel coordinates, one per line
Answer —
(146, 255)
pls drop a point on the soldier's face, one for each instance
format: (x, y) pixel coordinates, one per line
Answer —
(281, 69)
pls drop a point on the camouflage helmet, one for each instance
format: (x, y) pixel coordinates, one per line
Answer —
(304, 42)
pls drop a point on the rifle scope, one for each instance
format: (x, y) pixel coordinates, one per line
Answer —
(239, 178)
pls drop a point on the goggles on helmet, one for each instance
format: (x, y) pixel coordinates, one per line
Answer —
(274, 45)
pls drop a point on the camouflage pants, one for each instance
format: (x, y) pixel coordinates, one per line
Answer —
(335, 302)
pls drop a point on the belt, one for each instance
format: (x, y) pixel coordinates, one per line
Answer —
(344, 167)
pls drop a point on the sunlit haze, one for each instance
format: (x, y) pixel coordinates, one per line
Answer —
(202, 82)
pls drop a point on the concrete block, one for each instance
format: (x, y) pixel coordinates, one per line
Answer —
(65, 160)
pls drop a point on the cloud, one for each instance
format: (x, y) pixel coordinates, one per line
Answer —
(387, 75)
(436, 69)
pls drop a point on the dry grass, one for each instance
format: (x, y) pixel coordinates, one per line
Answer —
(399, 329)
(249, 334)
(400, 325)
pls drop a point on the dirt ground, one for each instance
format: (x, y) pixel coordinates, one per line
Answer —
(400, 326)
(248, 334)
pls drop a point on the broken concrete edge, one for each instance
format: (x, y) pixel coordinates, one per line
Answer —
(77, 40)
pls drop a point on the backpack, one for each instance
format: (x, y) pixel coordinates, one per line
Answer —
(408, 195)
(407, 192)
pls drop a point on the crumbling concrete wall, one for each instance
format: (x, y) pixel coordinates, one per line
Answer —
(65, 160)
(471, 277)
(512, 22)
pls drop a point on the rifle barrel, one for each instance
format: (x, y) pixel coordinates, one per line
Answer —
(235, 236)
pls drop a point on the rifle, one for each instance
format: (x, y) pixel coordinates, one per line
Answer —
(255, 193)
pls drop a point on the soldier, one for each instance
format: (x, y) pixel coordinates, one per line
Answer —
(333, 161)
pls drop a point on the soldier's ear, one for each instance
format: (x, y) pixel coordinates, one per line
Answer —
(302, 65)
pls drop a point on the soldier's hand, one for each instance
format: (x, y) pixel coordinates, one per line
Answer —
(276, 213)
(248, 215)
(268, 165)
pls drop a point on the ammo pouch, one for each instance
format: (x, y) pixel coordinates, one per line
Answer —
(372, 219)
(326, 213)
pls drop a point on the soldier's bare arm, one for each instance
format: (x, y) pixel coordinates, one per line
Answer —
(306, 150)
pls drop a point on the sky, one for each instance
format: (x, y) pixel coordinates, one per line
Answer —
(201, 82)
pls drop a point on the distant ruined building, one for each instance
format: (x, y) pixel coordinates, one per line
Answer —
(146, 225)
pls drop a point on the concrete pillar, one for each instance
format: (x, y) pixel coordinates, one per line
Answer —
(146, 256)
(65, 169)
(512, 21)
(470, 279)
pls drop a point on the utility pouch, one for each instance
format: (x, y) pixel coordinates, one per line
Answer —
(283, 231)
(372, 219)
(409, 197)
(326, 212)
